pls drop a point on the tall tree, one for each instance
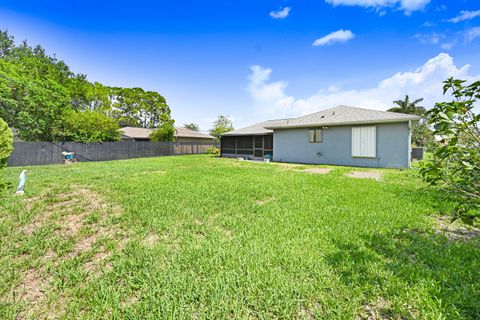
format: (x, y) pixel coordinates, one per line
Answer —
(221, 125)
(421, 134)
(408, 107)
(135, 107)
(192, 126)
(37, 90)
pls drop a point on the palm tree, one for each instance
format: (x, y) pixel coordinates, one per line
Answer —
(408, 107)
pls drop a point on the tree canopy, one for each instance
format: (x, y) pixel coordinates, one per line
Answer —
(38, 90)
(421, 134)
(192, 126)
(165, 133)
(86, 126)
(408, 107)
(221, 125)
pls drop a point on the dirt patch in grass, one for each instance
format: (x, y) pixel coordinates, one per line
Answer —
(32, 286)
(69, 212)
(365, 175)
(308, 312)
(375, 311)
(150, 240)
(455, 231)
(288, 166)
(96, 262)
(318, 170)
(264, 201)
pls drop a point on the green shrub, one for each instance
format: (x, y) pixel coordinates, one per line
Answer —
(6, 142)
(455, 163)
(214, 151)
(86, 126)
(165, 133)
(6, 148)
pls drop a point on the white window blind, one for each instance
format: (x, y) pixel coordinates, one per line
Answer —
(364, 142)
(315, 135)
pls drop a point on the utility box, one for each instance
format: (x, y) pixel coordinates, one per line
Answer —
(417, 153)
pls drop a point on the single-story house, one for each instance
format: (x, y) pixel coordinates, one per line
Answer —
(339, 136)
(181, 135)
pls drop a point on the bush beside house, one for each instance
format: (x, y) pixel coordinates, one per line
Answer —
(6, 148)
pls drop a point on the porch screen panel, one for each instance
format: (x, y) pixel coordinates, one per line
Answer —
(245, 145)
(228, 145)
(268, 142)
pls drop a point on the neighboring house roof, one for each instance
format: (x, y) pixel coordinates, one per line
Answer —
(136, 133)
(343, 115)
(256, 129)
(180, 132)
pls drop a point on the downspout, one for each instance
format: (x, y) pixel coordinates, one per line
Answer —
(409, 153)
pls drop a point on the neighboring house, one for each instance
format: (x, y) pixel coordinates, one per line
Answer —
(339, 136)
(181, 135)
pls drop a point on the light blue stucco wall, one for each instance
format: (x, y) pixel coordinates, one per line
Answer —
(392, 144)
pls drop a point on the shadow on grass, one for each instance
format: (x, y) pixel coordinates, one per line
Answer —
(414, 274)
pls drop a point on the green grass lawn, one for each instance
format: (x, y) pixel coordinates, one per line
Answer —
(202, 237)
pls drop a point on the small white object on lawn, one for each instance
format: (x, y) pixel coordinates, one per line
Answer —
(21, 183)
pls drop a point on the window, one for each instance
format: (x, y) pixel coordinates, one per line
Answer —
(315, 135)
(364, 142)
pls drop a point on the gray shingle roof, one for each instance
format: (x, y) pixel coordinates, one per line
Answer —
(256, 129)
(343, 115)
(180, 132)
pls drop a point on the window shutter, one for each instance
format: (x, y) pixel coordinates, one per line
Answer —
(364, 142)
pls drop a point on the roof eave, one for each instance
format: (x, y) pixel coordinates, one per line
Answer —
(197, 137)
(247, 134)
(343, 123)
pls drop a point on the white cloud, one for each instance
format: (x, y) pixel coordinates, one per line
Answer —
(407, 6)
(429, 24)
(431, 38)
(465, 15)
(281, 14)
(471, 34)
(334, 37)
(425, 81)
(265, 92)
(447, 45)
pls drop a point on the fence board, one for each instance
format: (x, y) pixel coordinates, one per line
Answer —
(41, 153)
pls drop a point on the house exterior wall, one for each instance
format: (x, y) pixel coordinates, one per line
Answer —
(392, 146)
(195, 140)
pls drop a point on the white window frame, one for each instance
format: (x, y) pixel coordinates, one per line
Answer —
(315, 135)
(364, 142)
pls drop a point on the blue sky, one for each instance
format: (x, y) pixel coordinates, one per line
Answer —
(256, 60)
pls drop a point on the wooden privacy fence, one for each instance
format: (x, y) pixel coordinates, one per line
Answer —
(40, 153)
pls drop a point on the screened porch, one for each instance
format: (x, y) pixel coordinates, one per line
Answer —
(250, 147)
